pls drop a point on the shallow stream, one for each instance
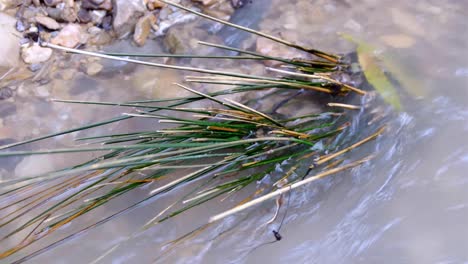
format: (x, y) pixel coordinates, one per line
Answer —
(410, 205)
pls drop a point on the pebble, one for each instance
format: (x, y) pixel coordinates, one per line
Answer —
(97, 16)
(143, 29)
(93, 68)
(399, 41)
(69, 36)
(84, 16)
(48, 22)
(21, 26)
(35, 54)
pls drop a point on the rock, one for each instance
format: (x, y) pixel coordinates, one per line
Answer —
(98, 36)
(21, 26)
(42, 91)
(274, 49)
(52, 2)
(126, 14)
(6, 4)
(93, 68)
(7, 109)
(5, 93)
(67, 11)
(399, 41)
(353, 25)
(54, 13)
(47, 22)
(407, 21)
(35, 67)
(97, 4)
(10, 50)
(84, 16)
(69, 36)
(107, 23)
(35, 54)
(143, 29)
(154, 4)
(35, 165)
(97, 16)
(169, 20)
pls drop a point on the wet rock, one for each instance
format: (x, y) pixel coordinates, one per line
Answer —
(353, 25)
(93, 68)
(34, 165)
(143, 29)
(35, 67)
(9, 163)
(35, 54)
(69, 36)
(47, 22)
(271, 48)
(126, 14)
(407, 21)
(5, 93)
(170, 19)
(42, 91)
(9, 39)
(399, 41)
(7, 108)
(98, 36)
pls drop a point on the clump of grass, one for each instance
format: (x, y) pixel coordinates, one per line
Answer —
(226, 148)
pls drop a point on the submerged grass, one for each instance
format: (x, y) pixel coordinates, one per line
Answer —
(225, 149)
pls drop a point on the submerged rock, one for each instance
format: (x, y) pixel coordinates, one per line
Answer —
(126, 14)
(35, 54)
(143, 29)
(93, 68)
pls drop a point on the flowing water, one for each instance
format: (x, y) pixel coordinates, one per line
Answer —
(409, 205)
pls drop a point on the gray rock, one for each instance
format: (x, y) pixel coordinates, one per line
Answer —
(84, 16)
(126, 14)
(5, 93)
